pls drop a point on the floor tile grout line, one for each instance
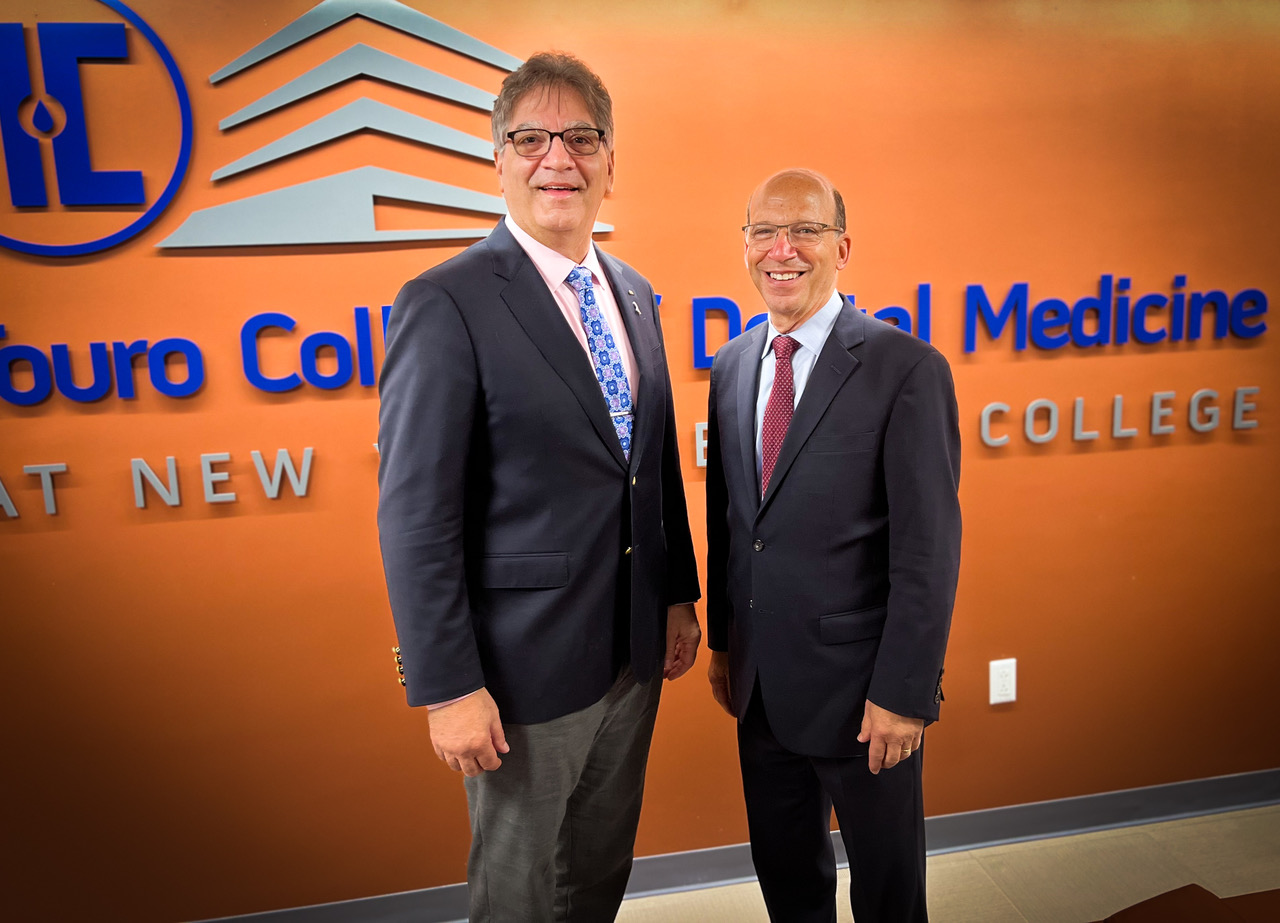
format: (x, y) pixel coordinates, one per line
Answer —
(1161, 858)
(1158, 855)
(1007, 896)
(1195, 876)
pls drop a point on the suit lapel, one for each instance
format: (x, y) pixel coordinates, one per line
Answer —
(834, 366)
(536, 310)
(641, 333)
(749, 360)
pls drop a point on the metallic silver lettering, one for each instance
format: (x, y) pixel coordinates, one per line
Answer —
(1118, 429)
(283, 465)
(1029, 421)
(168, 493)
(985, 426)
(1160, 411)
(1078, 432)
(209, 477)
(1203, 419)
(46, 473)
(1240, 406)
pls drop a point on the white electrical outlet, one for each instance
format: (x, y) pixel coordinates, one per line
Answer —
(1004, 680)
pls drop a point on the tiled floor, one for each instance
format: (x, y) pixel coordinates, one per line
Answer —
(1073, 879)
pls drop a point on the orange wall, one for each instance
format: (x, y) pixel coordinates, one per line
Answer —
(202, 716)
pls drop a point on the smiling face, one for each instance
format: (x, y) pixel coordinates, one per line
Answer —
(554, 198)
(795, 283)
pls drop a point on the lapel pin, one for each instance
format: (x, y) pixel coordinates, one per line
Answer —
(637, 307)
(629, 292)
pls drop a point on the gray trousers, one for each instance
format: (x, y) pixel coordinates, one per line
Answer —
(553, 828)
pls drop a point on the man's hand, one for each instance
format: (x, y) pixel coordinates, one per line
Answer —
(718, 675)
(892, 737)
(467, 734)
(683, 636)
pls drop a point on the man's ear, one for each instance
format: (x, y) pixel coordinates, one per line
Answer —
(844, 250)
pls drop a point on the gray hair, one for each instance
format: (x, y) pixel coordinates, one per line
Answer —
(548, 71)
(840, 215)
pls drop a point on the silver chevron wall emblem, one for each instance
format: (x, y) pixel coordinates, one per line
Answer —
(339, 209)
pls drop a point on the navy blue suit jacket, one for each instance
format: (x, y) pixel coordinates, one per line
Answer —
(837, 585)
(516, 537)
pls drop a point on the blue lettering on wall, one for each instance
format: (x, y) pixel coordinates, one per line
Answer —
(1113, 316)
(158, 366)
(38, 365)
(352, 358)
(976, 304)
(109, 366)
(249, 352)
(893, 314)
(65, 47)
(726, 306)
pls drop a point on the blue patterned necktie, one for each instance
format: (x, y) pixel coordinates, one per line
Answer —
(610, 372)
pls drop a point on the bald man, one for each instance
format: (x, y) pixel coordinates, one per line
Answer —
(833, 526)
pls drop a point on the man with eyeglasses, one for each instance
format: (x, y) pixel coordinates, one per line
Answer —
(833, 525)
(532, 515)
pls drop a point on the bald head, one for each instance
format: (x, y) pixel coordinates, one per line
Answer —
(797, 245)
(798, 182)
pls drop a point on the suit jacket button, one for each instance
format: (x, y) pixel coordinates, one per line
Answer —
(758, 545)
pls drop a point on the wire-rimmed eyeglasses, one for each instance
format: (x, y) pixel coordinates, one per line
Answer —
(801, 234)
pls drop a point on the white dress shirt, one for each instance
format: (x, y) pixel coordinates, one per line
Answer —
(810, 338)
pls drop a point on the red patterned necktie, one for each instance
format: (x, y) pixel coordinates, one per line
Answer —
(777, 413)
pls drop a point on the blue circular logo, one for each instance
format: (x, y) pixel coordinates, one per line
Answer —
(42, 122)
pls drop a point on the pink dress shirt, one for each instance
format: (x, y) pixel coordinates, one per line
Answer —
(555, 268)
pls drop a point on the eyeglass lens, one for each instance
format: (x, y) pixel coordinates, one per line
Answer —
(532, 142)
(802, 234)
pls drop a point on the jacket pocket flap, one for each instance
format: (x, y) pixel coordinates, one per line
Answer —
(858, 625)
(520, 571)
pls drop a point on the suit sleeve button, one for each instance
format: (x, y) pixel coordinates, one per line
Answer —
(758, 545)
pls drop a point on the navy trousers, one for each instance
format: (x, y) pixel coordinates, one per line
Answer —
(789, 798)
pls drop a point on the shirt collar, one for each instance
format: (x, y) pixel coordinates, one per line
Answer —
(814, 332)
(554, 267)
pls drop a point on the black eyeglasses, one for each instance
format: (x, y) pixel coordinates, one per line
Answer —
(534, 142)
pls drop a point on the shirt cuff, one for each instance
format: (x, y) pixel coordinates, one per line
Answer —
(451, 701)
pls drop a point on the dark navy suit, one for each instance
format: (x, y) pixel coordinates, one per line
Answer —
(522, 551)
(834, 588)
